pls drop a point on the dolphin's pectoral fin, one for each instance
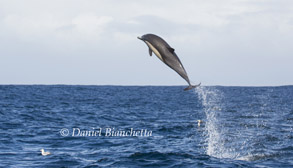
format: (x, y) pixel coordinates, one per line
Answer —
(150, 51)
(171, 49)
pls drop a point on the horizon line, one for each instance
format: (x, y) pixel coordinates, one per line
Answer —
(151, 85)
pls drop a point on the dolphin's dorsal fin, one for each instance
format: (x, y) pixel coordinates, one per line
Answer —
(150, 51)
(171, 49)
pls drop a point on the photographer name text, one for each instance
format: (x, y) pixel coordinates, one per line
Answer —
(106, 132)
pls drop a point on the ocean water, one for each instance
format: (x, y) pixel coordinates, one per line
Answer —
(145, 126)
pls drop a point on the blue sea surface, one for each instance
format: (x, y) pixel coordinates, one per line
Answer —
(145, 126)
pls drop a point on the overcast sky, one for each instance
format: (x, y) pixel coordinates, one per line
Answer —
(227, 42)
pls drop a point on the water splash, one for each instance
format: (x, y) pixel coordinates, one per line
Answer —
(214, 135)
(240, 127)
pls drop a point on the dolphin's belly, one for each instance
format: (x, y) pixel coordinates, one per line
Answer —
(154, 50)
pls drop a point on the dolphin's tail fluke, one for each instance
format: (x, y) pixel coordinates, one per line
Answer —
(191, 87)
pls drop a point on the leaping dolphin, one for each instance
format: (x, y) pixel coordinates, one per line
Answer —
(166, 54)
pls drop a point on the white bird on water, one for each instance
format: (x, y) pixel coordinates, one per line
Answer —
(199, 122)
(45, 153)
